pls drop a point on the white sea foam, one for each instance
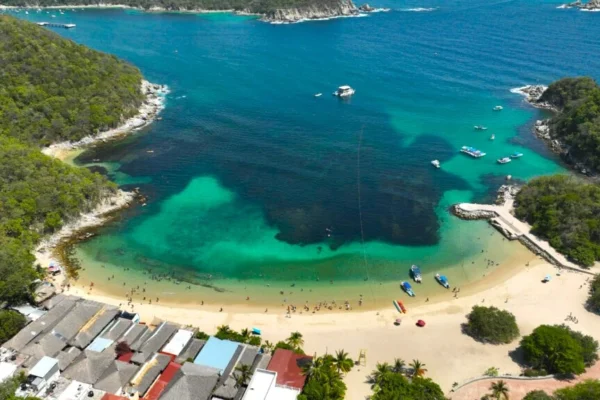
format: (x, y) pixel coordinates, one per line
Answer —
(590, 10)
(418, 9)
(317, 19)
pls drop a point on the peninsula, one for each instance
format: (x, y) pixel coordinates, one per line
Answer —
(282, 11)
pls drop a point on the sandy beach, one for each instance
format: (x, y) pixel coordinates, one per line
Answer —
(450, 356)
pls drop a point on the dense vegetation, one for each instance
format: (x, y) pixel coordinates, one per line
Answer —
(537, 395)
(254, 6)
(578, 122)
(52, 89)
(399, 381)
(566, 212)
(491, 325)
(587, 390)
(8, 387)
(593, 301)
(11, 322)
(324, 377)
(559, 350)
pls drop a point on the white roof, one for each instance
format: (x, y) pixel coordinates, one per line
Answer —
(283, 393)
(43, 366)
(6, 370)
(260, 384)
(75, 391)
(178, 342)
(345, 87)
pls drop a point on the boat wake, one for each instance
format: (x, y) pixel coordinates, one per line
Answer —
(418, 9)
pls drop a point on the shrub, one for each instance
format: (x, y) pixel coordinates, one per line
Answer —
(491, 325)
(588, 390)
(593, 301)
(554, 349)
(537, 395)
(491, 371)
(201, 335)
(11, 322)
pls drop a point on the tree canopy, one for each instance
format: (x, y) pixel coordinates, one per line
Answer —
(566, 212)
(537, 395)
(324, 380)
(577, 123)
(593, 301)
(587, 390)
(558, 349)
(11, 322)
(491, 325)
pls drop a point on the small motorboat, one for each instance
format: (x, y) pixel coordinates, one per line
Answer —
(516, 155)
(415, 272)
(442, 280)
(318, 94)
(480, 128)
(492, 137)
(344, 91)
(435, 163)
(498, 108)
(407, 288)
(504, 160)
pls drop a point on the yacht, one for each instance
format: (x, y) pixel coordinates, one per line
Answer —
(415, 272)
(344, 91)
(516, 155)
(504, 160)
(472, 151)
(498, 108)
(480, 128)
(435, 163)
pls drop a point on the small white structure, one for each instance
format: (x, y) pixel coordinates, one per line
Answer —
(42, 373)
(75, 391)
(7, 370)
(178, 342)
(263, 386)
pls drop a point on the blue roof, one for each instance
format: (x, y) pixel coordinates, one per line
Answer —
(216, 353)
(100, 344)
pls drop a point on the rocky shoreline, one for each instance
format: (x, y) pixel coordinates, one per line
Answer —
(591, 5)
(541, 128)
(148, 112)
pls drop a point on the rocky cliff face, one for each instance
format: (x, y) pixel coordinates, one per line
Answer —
(342, 8)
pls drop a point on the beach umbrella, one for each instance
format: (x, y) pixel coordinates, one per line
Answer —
(548, 277)
(398, 321)
(421, 323)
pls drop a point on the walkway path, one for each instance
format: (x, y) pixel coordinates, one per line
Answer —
(519, 388)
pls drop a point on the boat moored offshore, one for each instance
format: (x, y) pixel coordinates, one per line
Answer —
(498, 108)
(344, 91)
(435, 163)
(442, 280)
(480, 128)
(415, 272)
(516, 155)
(407, 288)
(472, 151)
(504, 160)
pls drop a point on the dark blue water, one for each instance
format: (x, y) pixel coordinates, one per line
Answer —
(251, 174)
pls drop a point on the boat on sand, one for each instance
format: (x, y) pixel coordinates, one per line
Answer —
(442, 280)
(407, 288)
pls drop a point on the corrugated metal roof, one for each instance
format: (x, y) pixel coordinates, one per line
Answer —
(191, 350)
(178, 342)
(148, 373)
(162, 381)
(216, 353)
(191, 382)
(99, 344)
(43, 366)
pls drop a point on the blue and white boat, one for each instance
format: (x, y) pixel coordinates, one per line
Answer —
(415, 272)
(516, 155)
(472, 151)
(442, 280)
(407, 288)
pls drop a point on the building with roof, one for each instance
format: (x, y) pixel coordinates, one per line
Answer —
(217, 353)
(147, 374)
(191, 382)
(77, 391)
(178, 342)
(154, 342)
(29, 312)
(227, 388)
(163, 380)
(288, 366)
(89, 366)
(263, 386)
(116, 377)
(7, 370)
(190, 351)
(44, 372)
(94, 326)
(67, 356)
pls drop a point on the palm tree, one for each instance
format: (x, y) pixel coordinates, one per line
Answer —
(342, 362)
(499, 390)
(243, 374)
(223, 329)
(268, 347)
(418, 368)
(245, 334)
(399, 365)
(295, 340)
(380, 370)
(315, 368)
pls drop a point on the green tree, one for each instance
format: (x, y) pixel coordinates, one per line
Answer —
(537, 395)
(394, 386)
(499, 390)
(342, 362)
(11, 322)
(587, 390)
(268, 347)
(491, 325)
(418, 368)
(380, 371)
(243, 373)
(324, 382)
(552, 348)
(398, 365)
(295, 340)
(593, 301)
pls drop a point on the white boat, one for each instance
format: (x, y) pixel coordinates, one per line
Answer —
(318, 94)
(480, 128)
(498, 108)
(442, 280)
(415, 272)
(492, 137)
(472, 151)
(516, 155)
(26, 12)
(344, 91)
(504, 160)
(435, 163)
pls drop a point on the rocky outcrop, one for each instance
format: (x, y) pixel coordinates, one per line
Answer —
(591, 5)
(532, 94)
(344, 8)
(366, 8)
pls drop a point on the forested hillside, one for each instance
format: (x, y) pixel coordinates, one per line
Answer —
(255, 6)
(566, 212)
(577, 124)
(51, 89)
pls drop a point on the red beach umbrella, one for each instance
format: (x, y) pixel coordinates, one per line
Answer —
(421, 323)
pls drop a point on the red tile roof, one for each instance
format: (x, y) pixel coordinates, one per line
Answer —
(162, 381)
(109, 396)
(288, 364)
(125, 357)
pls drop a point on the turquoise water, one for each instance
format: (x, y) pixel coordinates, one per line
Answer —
(252, 177)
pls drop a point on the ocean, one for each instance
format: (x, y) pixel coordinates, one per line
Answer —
(255, 183)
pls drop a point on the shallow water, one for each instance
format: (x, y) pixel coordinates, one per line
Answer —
(253, 179)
